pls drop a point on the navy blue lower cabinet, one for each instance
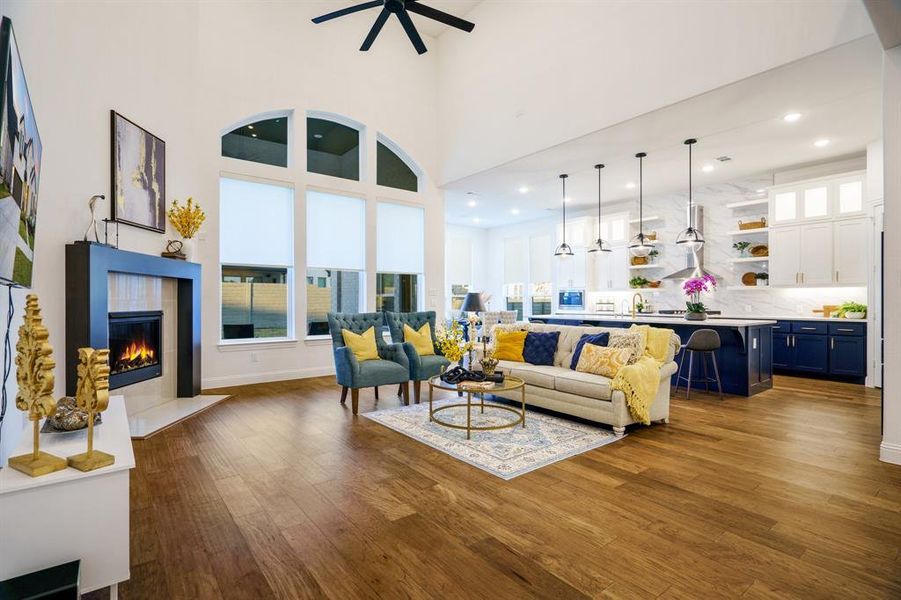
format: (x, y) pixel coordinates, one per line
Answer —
(848, 356)
(811, 353)
(783, 355)
(833, 349)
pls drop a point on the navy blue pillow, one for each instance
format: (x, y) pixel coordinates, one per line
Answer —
(539, 348)
(598, 339)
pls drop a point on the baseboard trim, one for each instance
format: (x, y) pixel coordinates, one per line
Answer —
(267, 377)
(890, 453)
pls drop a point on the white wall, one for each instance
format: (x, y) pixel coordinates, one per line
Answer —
(891, 105)
(535, 74)
(187, 71)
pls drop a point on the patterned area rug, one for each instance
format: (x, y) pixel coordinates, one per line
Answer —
(506, 453)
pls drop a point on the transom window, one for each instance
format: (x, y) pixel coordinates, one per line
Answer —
(264, 141)
(333, 149)
(393, 171)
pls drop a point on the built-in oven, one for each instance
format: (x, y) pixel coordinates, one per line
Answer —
(573, 300)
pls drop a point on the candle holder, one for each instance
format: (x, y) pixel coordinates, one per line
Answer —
(92, 396)
(34, 375)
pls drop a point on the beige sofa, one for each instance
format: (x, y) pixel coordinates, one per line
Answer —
(584, 395)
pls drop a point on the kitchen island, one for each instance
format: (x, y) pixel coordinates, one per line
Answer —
(745, 359)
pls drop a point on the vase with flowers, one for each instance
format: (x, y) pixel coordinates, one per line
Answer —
(693, 288)
(451, 343)
(186, 219)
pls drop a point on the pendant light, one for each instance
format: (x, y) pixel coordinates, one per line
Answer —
(640, 245)
(599, 245)
(691, 238)
(564, 250)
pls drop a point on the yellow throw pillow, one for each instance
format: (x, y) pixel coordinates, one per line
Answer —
(363, 346)
(421, 340)
(601, 360)
(509, 345)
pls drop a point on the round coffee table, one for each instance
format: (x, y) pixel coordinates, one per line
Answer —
(509, 384)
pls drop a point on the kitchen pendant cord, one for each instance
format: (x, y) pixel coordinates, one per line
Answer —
(7, 358)
(691, 216)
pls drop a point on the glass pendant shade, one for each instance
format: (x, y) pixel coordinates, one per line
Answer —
(690, 238)
(640, 245)
(563, 250)
(599, 245)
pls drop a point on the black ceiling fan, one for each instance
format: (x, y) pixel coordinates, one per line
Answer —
(399, 8)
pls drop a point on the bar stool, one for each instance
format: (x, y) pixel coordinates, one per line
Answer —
(707, 342)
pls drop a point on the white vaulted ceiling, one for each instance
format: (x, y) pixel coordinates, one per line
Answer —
(837, 92)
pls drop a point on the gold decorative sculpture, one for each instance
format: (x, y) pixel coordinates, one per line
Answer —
(34, 375)
(92, 396)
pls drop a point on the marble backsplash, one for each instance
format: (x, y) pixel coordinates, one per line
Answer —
(719, 220)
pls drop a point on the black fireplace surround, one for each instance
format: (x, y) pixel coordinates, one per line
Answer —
(88, 318)
(135, 347)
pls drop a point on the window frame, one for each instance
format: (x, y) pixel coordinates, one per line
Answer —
(287, 114)
(381, 138)
(362, 146)
(291, 336)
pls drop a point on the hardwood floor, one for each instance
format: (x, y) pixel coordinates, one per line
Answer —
(281, 493)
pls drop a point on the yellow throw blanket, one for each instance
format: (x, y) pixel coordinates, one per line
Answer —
(640, 381)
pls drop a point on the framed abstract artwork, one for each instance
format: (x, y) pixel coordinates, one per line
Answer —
(138, 175)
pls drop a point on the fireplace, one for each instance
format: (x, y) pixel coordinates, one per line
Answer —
(136, 347)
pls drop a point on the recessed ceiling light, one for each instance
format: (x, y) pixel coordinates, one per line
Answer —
(524, 189)
(761, 190)
(630, 185)
(707, 168)
(250, 127)
(317, 136)
(821, 143)
(471, 204)
(515, 211)
(476, 220)
(567, 199)
(253, 135)
(791, 117)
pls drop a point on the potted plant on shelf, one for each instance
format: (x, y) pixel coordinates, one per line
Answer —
(652, 255)
(693, 288)
(764, 278)
(742, 248)
(852, 310)
(639, 282)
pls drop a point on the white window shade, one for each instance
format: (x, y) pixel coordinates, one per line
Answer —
(514, 261)
(400, 238)
(540, 252)
(256, 223)
(336, 232)
(458, 257)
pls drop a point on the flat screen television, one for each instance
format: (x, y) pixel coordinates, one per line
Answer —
(20, 165)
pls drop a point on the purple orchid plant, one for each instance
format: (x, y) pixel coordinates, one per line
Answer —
(696, 286)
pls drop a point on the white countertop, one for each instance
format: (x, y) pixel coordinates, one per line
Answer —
(111, 436)
(665, 320)
(723, 317)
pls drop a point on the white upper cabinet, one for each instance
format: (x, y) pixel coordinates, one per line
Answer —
(816, 254)
(851, 251)
(785, 256)
(818, 200)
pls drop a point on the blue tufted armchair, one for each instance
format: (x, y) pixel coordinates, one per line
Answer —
(393, 368)
(421, 367)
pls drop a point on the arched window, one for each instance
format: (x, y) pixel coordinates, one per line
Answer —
(393, 167)
(333, 146)
(262, 141)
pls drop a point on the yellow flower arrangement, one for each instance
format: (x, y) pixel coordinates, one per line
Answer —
(186, 219)
(451, 343)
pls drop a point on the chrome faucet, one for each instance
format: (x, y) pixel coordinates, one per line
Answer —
(640, 299)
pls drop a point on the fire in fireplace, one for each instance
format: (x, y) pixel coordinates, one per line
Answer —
(136, 345)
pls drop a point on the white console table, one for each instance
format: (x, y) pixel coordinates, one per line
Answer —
(69, 515)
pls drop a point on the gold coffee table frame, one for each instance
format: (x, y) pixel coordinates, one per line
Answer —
(509, 384)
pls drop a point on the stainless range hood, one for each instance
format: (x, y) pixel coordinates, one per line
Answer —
(695, 260)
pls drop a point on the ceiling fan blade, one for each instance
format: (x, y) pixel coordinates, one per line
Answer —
(348, 11)
(407, 22)
(438, 15)
(376, 28)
